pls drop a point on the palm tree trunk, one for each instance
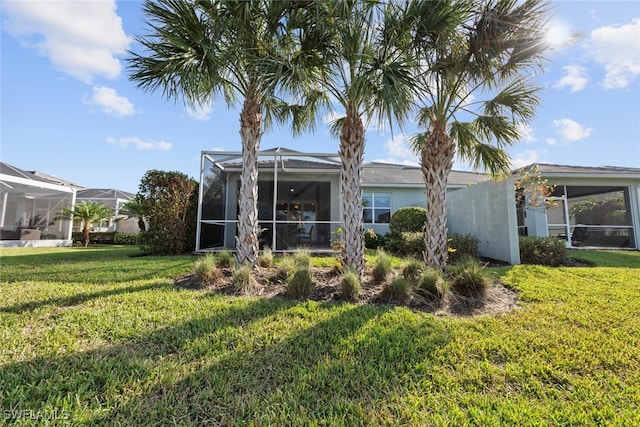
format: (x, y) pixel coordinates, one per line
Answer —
(351, 155)
(250, 134)
(85, 234)
(436, 161)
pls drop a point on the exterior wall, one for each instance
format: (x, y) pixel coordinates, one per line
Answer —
(488, 211)
(400, 198)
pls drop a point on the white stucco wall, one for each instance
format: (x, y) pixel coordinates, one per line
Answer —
(488, 211)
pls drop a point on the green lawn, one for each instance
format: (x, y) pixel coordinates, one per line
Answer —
(96, 337)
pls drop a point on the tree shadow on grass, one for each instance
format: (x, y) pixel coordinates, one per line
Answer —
(339, 371)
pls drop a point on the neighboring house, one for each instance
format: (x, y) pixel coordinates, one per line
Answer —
(28, 204)
(595, 207)
(299, 197)
(299, 203)
(113, 199)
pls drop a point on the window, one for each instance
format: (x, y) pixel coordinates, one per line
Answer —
(376, 208)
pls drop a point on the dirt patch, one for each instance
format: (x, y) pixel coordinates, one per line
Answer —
(498, 298)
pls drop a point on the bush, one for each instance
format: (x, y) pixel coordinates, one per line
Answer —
(350, 285)
(382, 267)
(398, 289)
(300, 284)
(549, 251)
(206, 271)
(225, 259)
(265, 259)
(406, 243)
(431, 284)
(462, 246)
(372, 240)
(409, 219)
(412, 270)
(243, 281)
(469, 278)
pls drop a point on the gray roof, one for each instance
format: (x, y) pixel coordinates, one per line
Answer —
(389, 173)
(7, 169)
(599, 171)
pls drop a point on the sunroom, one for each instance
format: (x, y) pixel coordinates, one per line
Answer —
(298, 200)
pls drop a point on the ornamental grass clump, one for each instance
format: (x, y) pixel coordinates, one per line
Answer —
(431, 285)
(412, 270)
(469, 278)
(225, 259)
(300, 284)
(265, 259)
(350, 285)
(286, 268)
(302, 258)
(243, 281)
(382, 267)
(398, 289)
(206, 271)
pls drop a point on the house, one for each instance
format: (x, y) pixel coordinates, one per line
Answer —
(590, 207)
(29, 204)
(299, 203)
(299, 197)
(114, 200)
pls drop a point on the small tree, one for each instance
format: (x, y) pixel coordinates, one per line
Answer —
(170, 200)
(135, 208)
(87, 212)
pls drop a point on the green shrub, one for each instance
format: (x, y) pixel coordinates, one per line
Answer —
(372, 240)
(406, 243)
(302, 258)
(431, 284)
(243, 281)
(397, 289)
(225, 259)
(300, 284)
(382, 267)
(408, 219)
(461, 246)
(412, 270)
(549, 251)
(126, 238)
(350, 285)
(469, 278)
(265, 259)
(206, 271)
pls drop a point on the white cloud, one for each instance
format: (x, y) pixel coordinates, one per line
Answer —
(617, 48)
(140, 144)
(110, 102)
(527, 133)
(571, 130)
(524, 158)
(200, 111)
(80, 38)
(398, 146)
(559, 34)
(575, 78)
(393, 160)
(551, 141)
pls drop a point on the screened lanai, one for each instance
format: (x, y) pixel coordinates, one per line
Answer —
(28, 205)
(298, 199)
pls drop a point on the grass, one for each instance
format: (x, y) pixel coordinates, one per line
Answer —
(95, 337)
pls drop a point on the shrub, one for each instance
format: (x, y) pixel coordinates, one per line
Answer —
(408, 219)
(412, 270)
(265, 259)
(206, 271)
(350, 285)
(302, 258)
(469, 278)
(398, 289)
(300, 284)
(372, 240)
(461, 246)
(406, 243)
(126, 238)
(225, 259)
(243, 281)
(431, 284)
(382, 267)
(549, 251)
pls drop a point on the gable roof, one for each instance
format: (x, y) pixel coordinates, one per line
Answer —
(12, 174)
(390, 174)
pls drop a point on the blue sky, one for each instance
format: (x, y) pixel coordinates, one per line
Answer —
(68, 108)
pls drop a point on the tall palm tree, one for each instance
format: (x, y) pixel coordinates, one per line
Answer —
(88, 212)
(217, 49)
(491, 54)
(367, 77)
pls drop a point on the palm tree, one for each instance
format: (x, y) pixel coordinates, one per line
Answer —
(88, 212)
(367, 75)
(218, 49)
(135, 208)
(492, 52)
